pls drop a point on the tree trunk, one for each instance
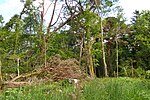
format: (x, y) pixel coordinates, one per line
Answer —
(90, 59)
(45, 52)
(117, 55)
(103, 50)
(81, 49)
(1, 72)
(42, 38)
(102, 38)
(132, 69)
(18, 71)
(110, 70)
(1, 80)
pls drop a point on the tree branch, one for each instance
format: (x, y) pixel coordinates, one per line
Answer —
(68, 20)
(50, 23)
(57, 17)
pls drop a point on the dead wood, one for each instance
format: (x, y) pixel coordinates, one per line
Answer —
(9, 84)
(56, 70)
(26, 75)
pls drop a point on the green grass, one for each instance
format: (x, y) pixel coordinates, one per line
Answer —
(98, 89)
(117, 89)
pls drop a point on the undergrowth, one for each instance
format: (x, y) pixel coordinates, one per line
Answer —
(97, 89)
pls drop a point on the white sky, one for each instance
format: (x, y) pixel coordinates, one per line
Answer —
(130, 6)
(10, 7)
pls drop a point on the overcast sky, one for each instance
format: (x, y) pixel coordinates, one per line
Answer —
(10, 7)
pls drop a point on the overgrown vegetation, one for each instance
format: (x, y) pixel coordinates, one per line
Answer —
(103, 45)
(98, 89)
(78, 41)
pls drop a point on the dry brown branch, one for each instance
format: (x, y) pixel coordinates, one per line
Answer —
(68, 20)
(48, 8)
(9, 84)
(50, 23)
(26, 75)
(57, 17)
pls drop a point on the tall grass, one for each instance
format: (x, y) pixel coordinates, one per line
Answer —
(48, 91)
(117, 89)
(98, 89)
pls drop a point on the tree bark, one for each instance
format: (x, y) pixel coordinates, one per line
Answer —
(45, 52)
(1, 80)
(81, 49)
(103, 49)
(1, 72)
(109, 65)
(90, 58)
(117, 55)
(132, 68)
(50, 23)
(18, 71)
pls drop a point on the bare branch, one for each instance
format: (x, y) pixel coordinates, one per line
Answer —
(50, 23)
(48, 8)
(57, 17)
(68, 20)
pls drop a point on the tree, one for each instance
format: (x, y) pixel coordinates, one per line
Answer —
(1, 21)
(141, 44)
(102, 8)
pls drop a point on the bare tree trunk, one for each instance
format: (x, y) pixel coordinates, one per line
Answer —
(132, 72)
(18, 71)
(109, 65)
(1, 72)
(1, 79)
(81, 49)
(53, 12)
(43, 37)
(45, 52)
(103, 49)
(85, 56)
(90, 58)
(117, 54)
(100, 11)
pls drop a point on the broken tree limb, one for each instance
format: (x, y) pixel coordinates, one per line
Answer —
(26, 75)
(9, 84)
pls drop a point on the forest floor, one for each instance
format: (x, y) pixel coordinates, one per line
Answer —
(91, 89)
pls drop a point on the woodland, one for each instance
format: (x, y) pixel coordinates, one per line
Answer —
(84, 39)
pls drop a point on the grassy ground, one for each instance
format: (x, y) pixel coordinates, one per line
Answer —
(98, 89)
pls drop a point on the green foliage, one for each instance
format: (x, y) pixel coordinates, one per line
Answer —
(64, 44)
(140, 39)
(1, 21)
(98, 89)
(97, 53)
(52, 91)
(139, 72)
(116, 89)
(25, 38)
(148, 74)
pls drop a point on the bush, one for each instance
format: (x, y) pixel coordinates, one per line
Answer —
(147, 74)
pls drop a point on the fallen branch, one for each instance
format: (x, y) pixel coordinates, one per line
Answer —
(26, 75)
(9, 84)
